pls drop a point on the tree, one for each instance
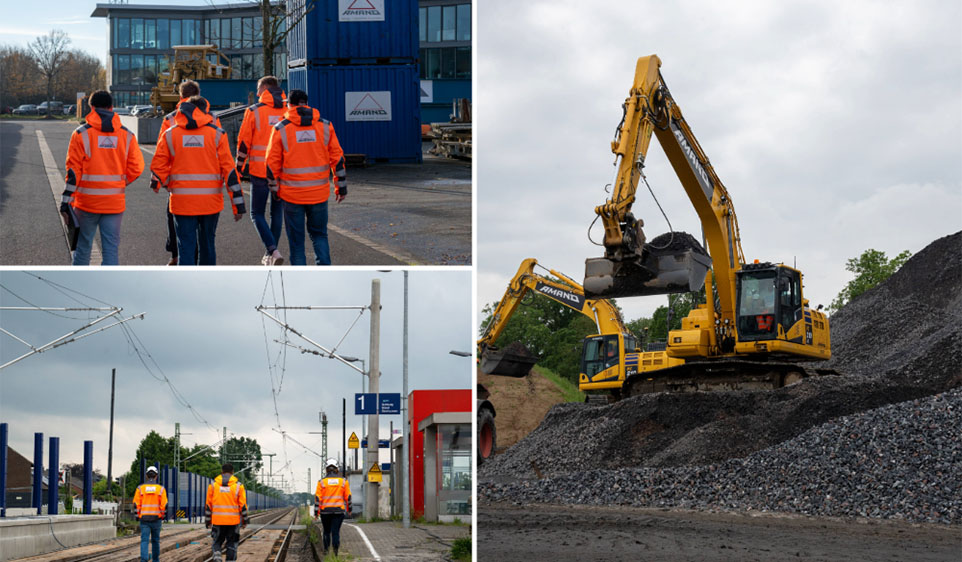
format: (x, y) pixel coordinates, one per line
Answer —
(82, 72)
(20, 76)
(245, 455)
(277, 21)
(50, 53)
(870, 269)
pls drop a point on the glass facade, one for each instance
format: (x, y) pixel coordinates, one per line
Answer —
(445, 37)
(141, 41)
(454, 471)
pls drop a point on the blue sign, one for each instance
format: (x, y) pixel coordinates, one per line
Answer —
(365, 403)
(381, 443)
(389, 403)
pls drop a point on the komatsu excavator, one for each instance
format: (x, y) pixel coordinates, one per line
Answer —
(609, 358)
(756, 326)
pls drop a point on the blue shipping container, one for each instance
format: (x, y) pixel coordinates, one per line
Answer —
(356, 32)
(375, 109)
(220, 93)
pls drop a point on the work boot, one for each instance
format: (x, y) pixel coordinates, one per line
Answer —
(335, 552)
(173, 261)
(276, 258)
(266, 260)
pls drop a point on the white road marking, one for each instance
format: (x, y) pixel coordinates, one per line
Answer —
(150, 150)
(367, 542)
(56, 182)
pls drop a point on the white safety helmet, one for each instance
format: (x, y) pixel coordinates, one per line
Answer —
(330, 463)
(151, 469)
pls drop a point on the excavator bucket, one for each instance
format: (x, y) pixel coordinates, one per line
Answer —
(671, 263)
(513, 361)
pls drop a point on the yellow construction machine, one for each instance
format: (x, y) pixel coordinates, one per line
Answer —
(190, 62)
(756, 326)
(608, 359)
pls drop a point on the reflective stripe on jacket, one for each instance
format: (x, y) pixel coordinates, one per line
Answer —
(333, 495)
(226, 504)
(103, 157)
(193, 162)
(151, 501)
(255, 131)
(303, 154)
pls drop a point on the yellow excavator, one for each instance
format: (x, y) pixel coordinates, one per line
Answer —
(756, 326)
(608, 359)
(190, 62)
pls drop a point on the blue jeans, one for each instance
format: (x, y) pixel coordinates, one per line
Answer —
(194, 230)
(316, 217)
(109, 237)
(332, 529)
(150, 530)
(260, 193)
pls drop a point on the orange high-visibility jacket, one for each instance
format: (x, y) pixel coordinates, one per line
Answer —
(102, 159)
(256, 129)
(302, 154)
(333, 495)
(226, 505)
(193, 162)
(169, 121)
(151, 501)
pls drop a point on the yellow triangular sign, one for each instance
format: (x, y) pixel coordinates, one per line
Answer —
(374, 475)
(353, 442)
(375, 468)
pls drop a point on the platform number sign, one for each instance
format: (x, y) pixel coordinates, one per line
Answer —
(365, 403)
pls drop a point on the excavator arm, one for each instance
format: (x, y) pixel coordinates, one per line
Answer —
(560, 288)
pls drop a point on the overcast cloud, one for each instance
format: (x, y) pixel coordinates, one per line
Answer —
(203, 331)
(834, 126)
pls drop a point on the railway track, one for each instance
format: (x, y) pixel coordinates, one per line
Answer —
(192, 545)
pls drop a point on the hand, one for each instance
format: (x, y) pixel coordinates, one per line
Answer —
(237, 216)
(155, 184)
(66, 218)
(339, 197)
(275, 196)
(207, 524)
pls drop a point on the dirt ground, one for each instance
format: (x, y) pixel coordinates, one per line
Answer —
(520, 404)
(555, 533)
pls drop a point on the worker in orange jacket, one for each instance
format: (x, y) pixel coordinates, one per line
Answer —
(303, 156)
(151, 502)
(187, 89)
(103, 158)
(255, 132)
(226, 512)
(332, 501)
(193, 163)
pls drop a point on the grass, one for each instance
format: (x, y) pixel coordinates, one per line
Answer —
(304, 516)
(461, 550)
(569, 390)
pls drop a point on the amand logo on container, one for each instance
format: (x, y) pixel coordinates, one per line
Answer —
(360, 10)
(367, 106)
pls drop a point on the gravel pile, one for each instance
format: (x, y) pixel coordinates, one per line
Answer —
(899, 342)
(901, 461)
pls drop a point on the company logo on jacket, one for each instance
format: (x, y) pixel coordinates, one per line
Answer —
(194, 141)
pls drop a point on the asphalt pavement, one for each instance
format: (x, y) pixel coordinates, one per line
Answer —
(395, 214)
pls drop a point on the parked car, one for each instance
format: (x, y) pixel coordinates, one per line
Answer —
(121, 111)
(70, 109)
(138, 109)
(56, 107)
(26, 109)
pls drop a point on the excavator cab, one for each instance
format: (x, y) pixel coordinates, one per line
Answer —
(769, 301)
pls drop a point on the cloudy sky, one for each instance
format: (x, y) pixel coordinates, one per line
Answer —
(203, 331)
(834, 125)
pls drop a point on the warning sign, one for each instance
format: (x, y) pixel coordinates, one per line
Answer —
(374, 475)
(427, 91)
(353, 442)
(360, 10)
(367, 106)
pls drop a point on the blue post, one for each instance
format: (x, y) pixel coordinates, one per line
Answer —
(3, 470)
(190, 497)
(38, 472)
(89, 477)
(53, 477)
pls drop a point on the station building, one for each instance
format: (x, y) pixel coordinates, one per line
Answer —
(140, 37)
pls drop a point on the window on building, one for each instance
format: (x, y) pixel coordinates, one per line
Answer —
(225, 33)
(448, 62)
(175, 38)
(430, 63)
(463, 62)
(434, 24)
(163, 34)
(258, 32)
(213, 33)
(247, 28)
(123, 33)
(150, 74)
(422, 24)
(236, 37)
(137, 33)
(113, 33)
(162, 66)
(280, 64)
(464, 22)
(258, 65)
(150, 34)
(191, 32)
(136, 69)
(449, 23)
(123, 69)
